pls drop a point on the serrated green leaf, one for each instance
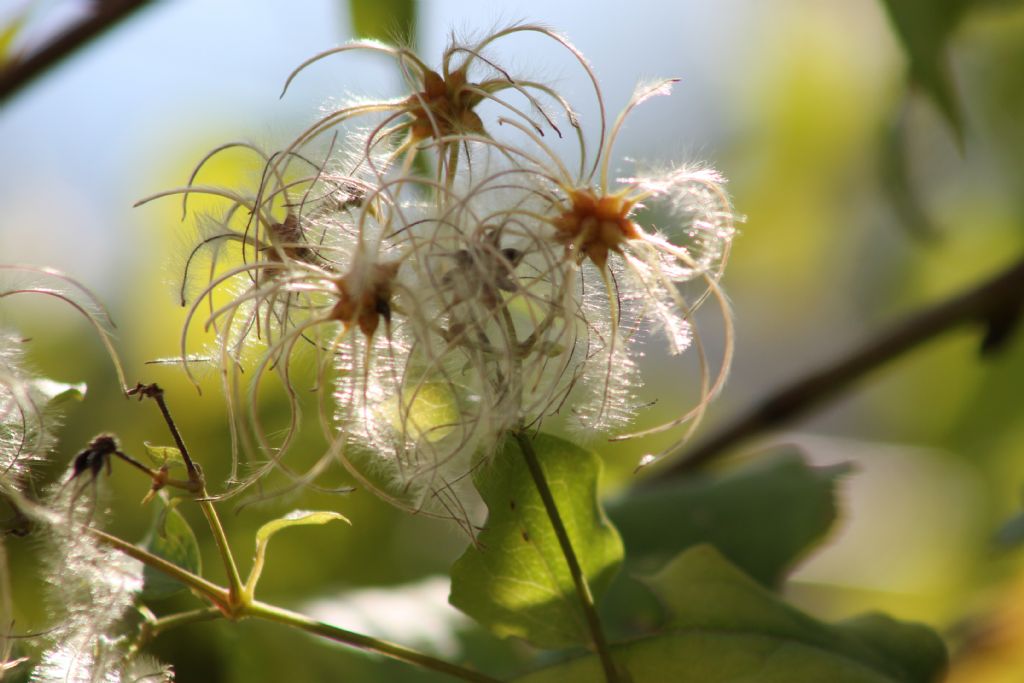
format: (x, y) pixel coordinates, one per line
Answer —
(1011, 533)
(924, 27)
(171, 538)
(164, 455)
(387, 20)
(515, 580)
(726, 628)
(763, 517)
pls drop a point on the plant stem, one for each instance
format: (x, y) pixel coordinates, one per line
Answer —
(237, 602)
(157, 394)
(997, 304)
(582, 588)
(182, 619)
(195, 475)
(261, 610)
(207, 589)
(220, 538)
(153, 627)
(149, 471)
(21, 72)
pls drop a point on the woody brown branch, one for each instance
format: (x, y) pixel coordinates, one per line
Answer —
(996, 305)
(105, 14)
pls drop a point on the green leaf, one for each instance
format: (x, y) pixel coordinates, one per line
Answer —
(171, 538)
(714, 658)
(924, 27)
(704, 591)
(293, 518)
(764, 516)
(387, 20)
(164, 455)
(1011, 533)
(727, 628)
(915, 648)
(57, 393)
(296, 518)
(515, 580)
(898, 186)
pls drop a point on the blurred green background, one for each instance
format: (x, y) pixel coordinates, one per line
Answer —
(803, 106)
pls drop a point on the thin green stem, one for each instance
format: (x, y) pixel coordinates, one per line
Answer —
(153, 626)
(235, 587)
(280, 615)
(249, 589)
(195, 475)
(182, 619)
(261, 610)
(207, 589)
(582, 588)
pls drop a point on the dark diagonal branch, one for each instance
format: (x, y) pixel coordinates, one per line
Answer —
(105, 14)
(996, 305)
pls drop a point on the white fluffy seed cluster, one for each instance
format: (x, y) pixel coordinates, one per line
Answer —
(453, 271)
(93, 588)
(25, 435)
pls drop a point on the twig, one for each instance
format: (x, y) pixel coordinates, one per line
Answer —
(154, 392)
(211, 591)
(195, 475)
(106, 13)
(166, 623)
(997, 304)
(262, 610)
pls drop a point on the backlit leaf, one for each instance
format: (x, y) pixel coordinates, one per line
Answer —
(171, 538)
(763, 516)
(387, 20)
(58, 392)
(515, 580)
(924, 27)
(727, 628)
(293, 518)
(296, 518)
(164, 455)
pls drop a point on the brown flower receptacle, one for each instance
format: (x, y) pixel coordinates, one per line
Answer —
(365, 300)
(596, 225)
(444, 107)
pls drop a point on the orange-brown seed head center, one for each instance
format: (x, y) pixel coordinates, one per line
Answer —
(444, 106)
(364, 303)
(596, 225)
